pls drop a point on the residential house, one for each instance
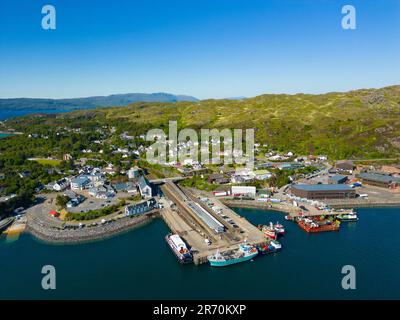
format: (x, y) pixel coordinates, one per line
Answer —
(102, 192)
(264, 193)
(218, 179)
(145, 187)
(80, 182)
(67, 157)
(133, 173)
(262, 174)
(265, 165)
(61, 184)
(73, 202)
(129, 187)
(24, 174)
(290, 166)
(109, 170)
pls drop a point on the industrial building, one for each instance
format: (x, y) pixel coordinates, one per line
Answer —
(206, 217)
(344, 166)
(248, 191)
(323, 191)
(379, 180)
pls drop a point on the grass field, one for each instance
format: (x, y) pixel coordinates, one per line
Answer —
(51, 162)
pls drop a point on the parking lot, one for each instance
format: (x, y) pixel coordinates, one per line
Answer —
(92, 203)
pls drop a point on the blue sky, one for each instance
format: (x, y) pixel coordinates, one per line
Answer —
(204, 48)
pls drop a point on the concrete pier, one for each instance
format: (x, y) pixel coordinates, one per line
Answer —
(283, 207)
(182, 220)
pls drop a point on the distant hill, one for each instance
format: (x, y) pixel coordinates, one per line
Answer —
(90, 102)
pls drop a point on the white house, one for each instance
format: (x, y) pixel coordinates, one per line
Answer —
(133, 173)
(109, 169)
(61, 185)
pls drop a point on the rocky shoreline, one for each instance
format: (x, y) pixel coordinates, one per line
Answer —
(87, 234)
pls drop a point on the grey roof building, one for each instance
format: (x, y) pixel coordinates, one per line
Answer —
(323, 191)
(379, 179)
(142, 207)
(145, 187)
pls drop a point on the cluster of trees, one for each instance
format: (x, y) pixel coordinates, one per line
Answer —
(37, 174)
(62, 200)
(24, 199)
(196, 181)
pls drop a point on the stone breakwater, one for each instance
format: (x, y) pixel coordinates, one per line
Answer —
(54, 235)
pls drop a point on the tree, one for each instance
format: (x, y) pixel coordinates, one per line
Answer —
(62, 200)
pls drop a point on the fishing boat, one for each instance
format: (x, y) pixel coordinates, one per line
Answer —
(276, 245)
(350, 217)
(311, 226)
(271, 247)
(245, 252)
(269, 231)
(179, 248)
(279, 229)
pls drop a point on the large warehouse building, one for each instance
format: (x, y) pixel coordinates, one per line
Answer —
(379, 180)
(323, 191)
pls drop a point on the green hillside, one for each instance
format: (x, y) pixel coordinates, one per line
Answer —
(361, 123)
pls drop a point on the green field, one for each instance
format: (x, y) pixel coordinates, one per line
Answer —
(50, 162)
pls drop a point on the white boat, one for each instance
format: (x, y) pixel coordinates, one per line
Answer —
(179, 248)
(276, 244)
(279, 229)
(348, 217)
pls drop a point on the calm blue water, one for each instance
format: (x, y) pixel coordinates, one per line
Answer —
(6, 114)
(139, 265)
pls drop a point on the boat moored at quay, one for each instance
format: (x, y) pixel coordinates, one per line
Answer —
(350, 217)
(271, 247)
(179, 248)
(245, 252)
(272, 231)
(318, 225)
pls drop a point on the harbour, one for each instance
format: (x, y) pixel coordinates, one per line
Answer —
(129, 272)
(187, 214)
